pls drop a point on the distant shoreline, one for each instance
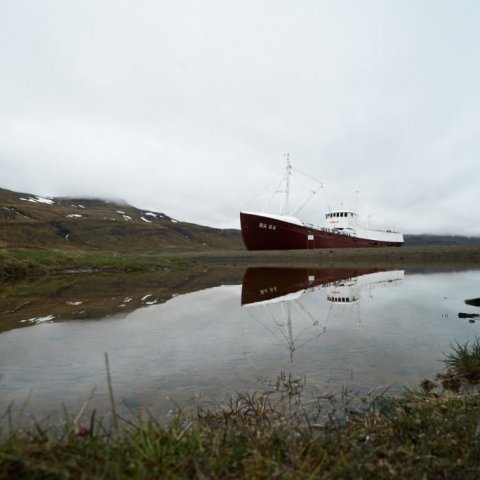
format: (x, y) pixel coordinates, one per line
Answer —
(17, 263)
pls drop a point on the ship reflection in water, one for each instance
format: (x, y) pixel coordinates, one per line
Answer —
(275, 294)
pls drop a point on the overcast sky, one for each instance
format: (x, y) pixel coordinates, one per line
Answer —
(187, 107)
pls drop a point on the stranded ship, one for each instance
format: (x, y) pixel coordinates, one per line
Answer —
(284, 231)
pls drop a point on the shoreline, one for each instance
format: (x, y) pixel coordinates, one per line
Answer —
(17, 263)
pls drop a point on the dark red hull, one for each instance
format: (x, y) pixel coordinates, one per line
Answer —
(265, 233)
(266, 283)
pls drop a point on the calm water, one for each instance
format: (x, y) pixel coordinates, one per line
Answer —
(362, 329)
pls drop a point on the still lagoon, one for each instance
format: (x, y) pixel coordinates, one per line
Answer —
(193, 339)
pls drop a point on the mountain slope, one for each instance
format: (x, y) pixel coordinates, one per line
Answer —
(96, 224)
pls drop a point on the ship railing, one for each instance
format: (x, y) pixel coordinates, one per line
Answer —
(376, 228)
(341, 232)
(329, 230)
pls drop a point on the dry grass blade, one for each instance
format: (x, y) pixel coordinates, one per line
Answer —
(110, 393)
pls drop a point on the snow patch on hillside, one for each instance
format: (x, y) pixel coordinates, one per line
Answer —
(37, 320)
(47, 201)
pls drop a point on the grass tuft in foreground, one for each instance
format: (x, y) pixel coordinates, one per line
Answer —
(465, 359)
(463, 366)
(419, 435)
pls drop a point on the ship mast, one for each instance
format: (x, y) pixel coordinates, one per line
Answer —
(288, 172)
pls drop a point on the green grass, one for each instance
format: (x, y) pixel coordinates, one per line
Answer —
(24, 262)
(465, 360)
(462, 367)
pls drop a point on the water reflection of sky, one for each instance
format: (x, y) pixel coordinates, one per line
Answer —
(205, 345)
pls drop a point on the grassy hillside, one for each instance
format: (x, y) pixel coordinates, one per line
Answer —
(95, 224)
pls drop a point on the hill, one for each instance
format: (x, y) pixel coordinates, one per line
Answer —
(28, 220)
(425, 239)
